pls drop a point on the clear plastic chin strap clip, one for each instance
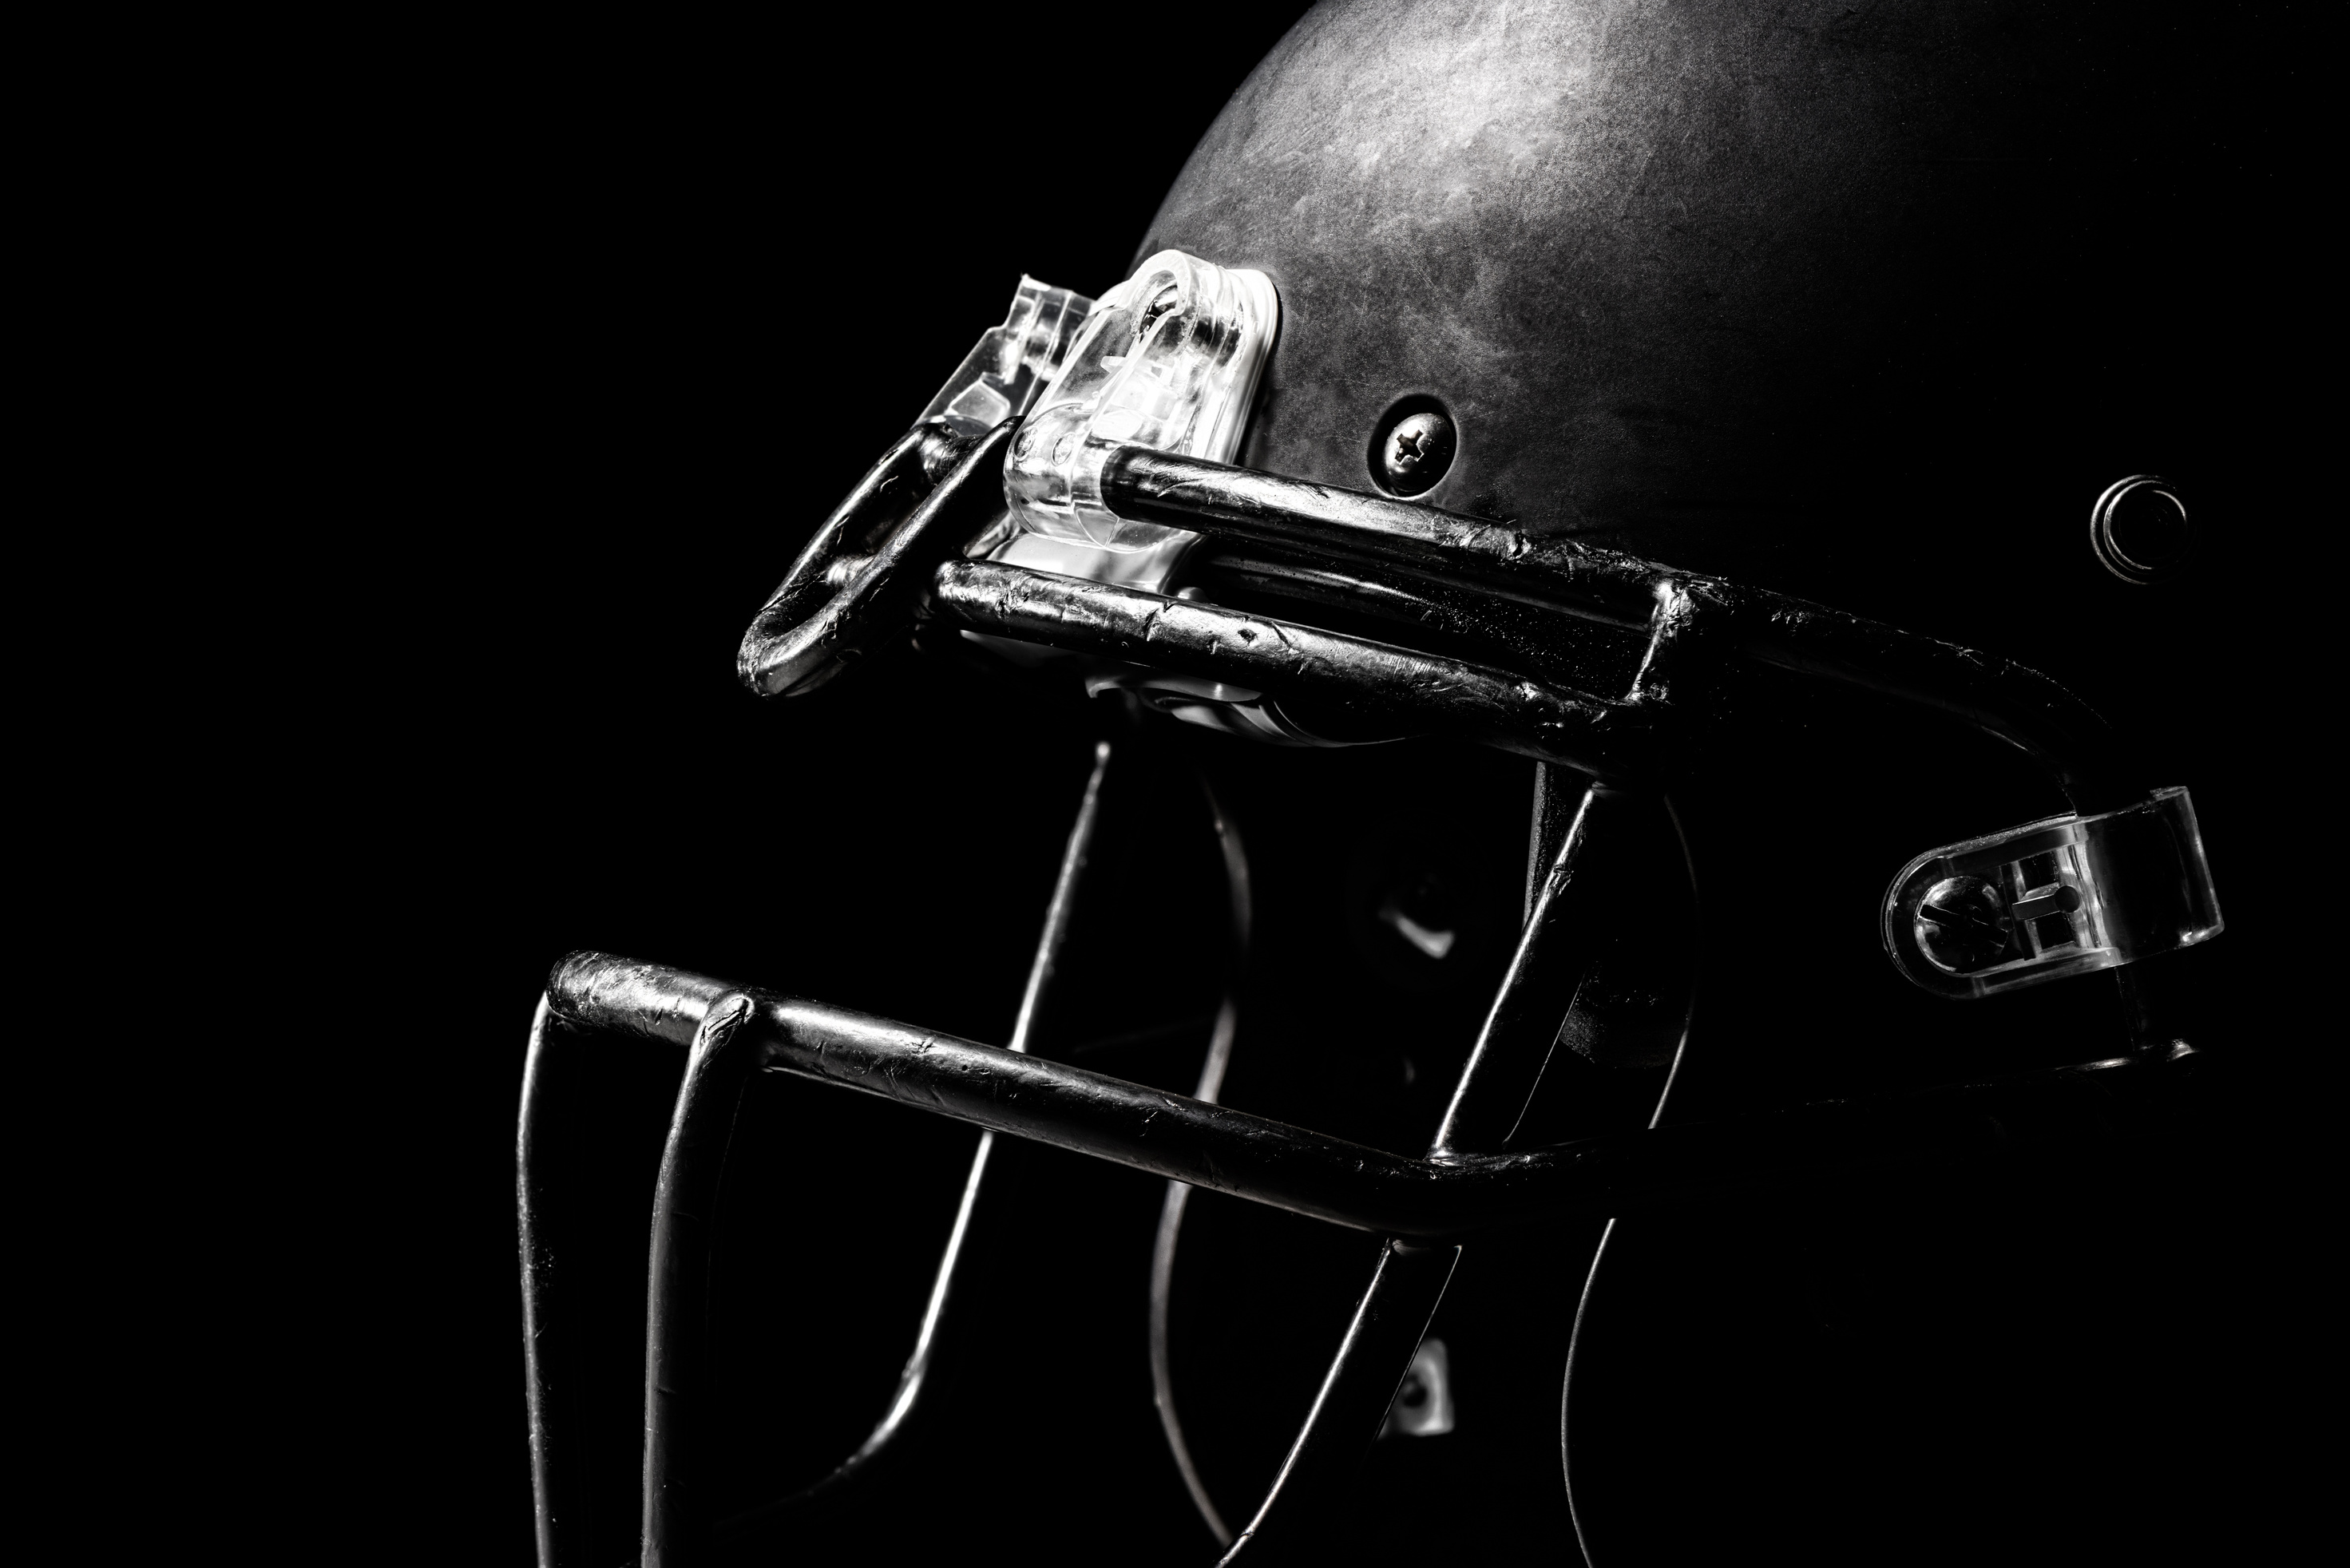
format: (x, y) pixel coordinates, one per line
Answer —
(1168, 359)
(1012, 363)
(2051, 898)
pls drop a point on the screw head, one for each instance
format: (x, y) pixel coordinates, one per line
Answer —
(1963, 924)
(1416, 452)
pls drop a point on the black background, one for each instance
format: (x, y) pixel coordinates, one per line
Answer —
(551, 341)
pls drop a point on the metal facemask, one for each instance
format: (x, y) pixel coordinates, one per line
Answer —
(1068, 507)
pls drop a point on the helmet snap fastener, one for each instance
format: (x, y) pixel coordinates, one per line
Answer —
(2140, 529)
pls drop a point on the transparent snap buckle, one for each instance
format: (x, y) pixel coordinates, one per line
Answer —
(1168, 359)
(1012, 363)
(2056, 898)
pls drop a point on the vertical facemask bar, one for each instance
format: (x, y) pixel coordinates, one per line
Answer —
(587, 1503)
(1170, 1217)
(1497, 1083)
(1408, 1283)
(566, 1498)
(1521, 1028)
(1407, 1286)
(678, 1380)
(679, 1520)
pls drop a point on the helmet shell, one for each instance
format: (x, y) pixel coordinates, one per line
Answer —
(1865, 303)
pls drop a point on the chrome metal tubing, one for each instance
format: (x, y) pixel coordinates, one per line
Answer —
(678, 1521)
(857, 582)
(1377, 684)
(1329, 1179)
(810, 628)
(2008, 700)
(678, 1382)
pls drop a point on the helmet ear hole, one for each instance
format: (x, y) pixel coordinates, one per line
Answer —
(1412, 446)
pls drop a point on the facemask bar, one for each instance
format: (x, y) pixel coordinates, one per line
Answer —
(924, 537)
(1107, 521)
(1425, 1206)
(1405, 557)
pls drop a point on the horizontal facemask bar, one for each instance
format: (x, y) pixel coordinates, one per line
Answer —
(865, 576)
(1375, 685)
(1325, 1177)
(1416, 544)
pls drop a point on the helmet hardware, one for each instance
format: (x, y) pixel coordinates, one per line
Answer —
(1963, 923)
(1414, 447)
(2140, 529)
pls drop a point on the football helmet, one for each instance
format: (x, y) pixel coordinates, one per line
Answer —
(1646, 1003)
